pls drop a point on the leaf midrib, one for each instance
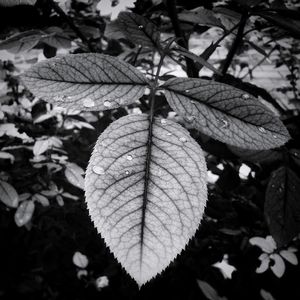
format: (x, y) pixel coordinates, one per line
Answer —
(146, 180)
(91, 82)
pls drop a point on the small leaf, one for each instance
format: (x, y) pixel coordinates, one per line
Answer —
(282, 206)
(265, 262)
(266, 244)
(8, 194)
(266, 295)
(146, 191)
(289, 256)
(225, 113)
(41, 146)
(101, 282)
(17, 2)
(80, 260)
(279, 266)
(24, 213)
(208, 291)
(137, 29)
(225, 268)
(86, 81)
(74, 175)
(41, 199)
(75, 168)
(201, 16)
(6, 155)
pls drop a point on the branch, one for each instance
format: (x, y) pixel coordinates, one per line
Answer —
(236, 43)
(171, 7)
(70, 22)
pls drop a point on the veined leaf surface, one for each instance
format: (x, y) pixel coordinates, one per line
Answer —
(282, 206)
(225, 113)
(86, 81)
(146, 191)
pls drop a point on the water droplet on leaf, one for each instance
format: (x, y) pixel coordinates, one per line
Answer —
(98, 170)
(187, 91)
(129, 157)
(141, 26)
(262, 130)
(169, 133)
(274, 136)
(183, 139)
(163, 121)
(246, 96)
(88, 103)
(189, 119)
(107, 104)
(224, 124)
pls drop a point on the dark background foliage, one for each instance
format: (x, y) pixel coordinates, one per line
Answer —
(36, 258)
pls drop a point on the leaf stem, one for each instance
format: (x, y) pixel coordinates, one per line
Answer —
(70, 22)
(150, 130)
(236, 43)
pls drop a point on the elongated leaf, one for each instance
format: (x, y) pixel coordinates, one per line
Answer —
(225, 113)
(282, 205)
(266, 295)
(22, 41)
(209, 292)
(86, 81)
(291, 26)
(41, 199)
(197, 59)
(8, 194)
(40, 147)
(200, 16)
(263, 156)
(137, 29)
(24, 213)
(74, 175)
(146, 191)
(16, 2)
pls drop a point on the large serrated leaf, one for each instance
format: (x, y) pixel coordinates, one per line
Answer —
(86, 81)
(146, 191)
(282, 205)
(225, 113)
(136, 29)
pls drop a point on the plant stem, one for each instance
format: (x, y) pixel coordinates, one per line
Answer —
(70, 22)
(192, 70)
(236, 43)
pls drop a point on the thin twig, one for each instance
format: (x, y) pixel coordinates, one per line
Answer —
(70, 22)
(192, 70)
(236, 43)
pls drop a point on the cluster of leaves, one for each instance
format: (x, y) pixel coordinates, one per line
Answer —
(150, 167)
